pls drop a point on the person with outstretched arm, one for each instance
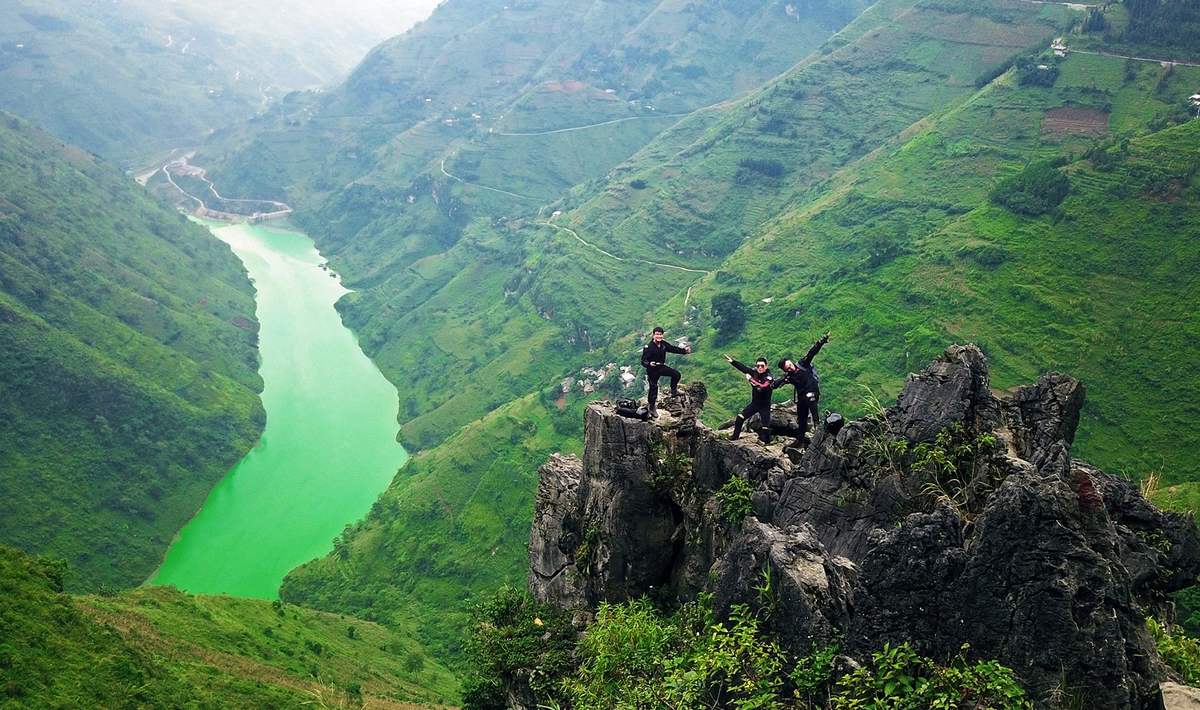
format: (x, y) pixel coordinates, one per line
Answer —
(801, 375)
(654, 359)
(761, 387)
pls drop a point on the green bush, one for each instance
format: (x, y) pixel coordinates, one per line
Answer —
(1032, 73)
(516, 645)
(621, 658)
(734, 498)
(730, 666)
(748, 168)
(1036, 190)
(1179, 651)
(1187, 603)
(898, 678)
(632, 658)
(812, 675)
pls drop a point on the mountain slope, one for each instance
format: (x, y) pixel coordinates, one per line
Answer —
(491, 65)
(160, 648)
(524, 304)
(912, 248)
(134, 79)
(129, 375)
(685, 200)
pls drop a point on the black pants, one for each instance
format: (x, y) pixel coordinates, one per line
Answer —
(804, 407)
(764, 417)
(652, 375)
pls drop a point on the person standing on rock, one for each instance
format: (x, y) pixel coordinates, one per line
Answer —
(654, 359)
(801, 375)
(761, 387)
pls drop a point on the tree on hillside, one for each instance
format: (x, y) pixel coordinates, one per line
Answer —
(1036, 190)
(1032, 73)
(1166, 24)
(729, 315)
(1095, 20)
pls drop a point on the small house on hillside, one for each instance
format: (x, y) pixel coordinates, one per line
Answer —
(1059, 47)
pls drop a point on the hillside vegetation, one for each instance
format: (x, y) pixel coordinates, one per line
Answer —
(161, 648)
(821, 209)
(128, 369)
(479, 68)
(134, 79)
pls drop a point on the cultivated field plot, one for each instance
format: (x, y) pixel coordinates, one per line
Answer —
(1073, 120)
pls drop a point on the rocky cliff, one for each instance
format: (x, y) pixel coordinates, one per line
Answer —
(953, 517)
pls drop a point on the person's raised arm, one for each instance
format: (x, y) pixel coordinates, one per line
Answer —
(816, 348)
(676, 349)
(738, 366)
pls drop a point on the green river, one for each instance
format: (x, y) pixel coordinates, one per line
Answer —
(329, 447)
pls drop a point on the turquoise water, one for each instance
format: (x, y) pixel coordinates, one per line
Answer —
(329, 448)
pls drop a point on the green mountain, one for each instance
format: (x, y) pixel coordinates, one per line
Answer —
(454, 276)
(128, 383)
(133, 80)
(479, 69)
(161, 648)
(886, 188)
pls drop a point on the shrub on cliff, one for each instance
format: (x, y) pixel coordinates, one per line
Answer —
(517, 646)
(634, 656)
(899, 678)
(1178, 650)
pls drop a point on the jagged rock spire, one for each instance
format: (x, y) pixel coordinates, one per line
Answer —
(953, 517)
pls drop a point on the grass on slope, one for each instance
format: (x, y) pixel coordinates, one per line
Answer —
(440, 285)
(128, 378)
(898, 254)
(905, 254)
(885, 71)
(161, 648)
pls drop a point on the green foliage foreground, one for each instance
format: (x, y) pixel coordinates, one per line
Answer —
(160, 648)
(633, 656)
(1178, 650)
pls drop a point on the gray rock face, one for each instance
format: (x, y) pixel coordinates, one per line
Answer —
(555, 536)
(952, 517)
(787, 574)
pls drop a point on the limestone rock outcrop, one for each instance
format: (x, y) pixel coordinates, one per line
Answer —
(954, 517)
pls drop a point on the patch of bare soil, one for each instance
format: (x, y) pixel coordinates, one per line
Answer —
(1075, 121)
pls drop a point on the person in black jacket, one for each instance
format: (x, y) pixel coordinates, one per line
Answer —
(654, 359)
(801, 375)
(761, 386)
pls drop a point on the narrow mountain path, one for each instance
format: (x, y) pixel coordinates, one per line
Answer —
(182, 191)
(568, 230)
(595, 125)
(280, 208)
(610, 255)
(1136, 59)
(485, 187)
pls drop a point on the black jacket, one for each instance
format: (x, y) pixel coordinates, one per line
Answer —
(804, 378)
(657, 352)
(761, 385)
